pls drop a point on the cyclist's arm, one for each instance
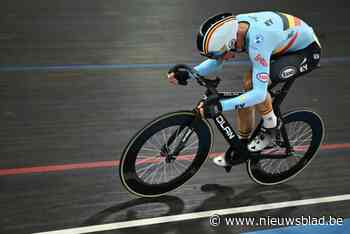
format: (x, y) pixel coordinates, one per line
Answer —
(260, 58)
(208, 67)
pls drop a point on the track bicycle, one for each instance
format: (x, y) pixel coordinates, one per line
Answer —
(169, 150)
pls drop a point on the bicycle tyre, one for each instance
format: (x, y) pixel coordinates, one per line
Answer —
(127, 169)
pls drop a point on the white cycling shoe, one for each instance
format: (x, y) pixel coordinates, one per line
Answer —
(220, 161)
(262, 140)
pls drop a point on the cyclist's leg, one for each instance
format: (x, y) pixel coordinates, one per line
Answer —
(266, 112)
(245, 117)
(288, 66)
(244, 120)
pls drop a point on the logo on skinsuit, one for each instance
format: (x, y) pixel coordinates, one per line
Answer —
(288, 72)
(263, 77)
(316, 56)
(261, 60)
(232, 43)
(259, 39)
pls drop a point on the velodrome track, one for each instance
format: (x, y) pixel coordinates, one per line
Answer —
(79, 78)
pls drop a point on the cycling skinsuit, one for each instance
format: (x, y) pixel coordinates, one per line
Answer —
(270, 35)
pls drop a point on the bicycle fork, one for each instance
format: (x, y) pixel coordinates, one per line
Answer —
(170, 156)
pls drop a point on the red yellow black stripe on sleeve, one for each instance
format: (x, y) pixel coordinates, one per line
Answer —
(283, 49)
(288, 21)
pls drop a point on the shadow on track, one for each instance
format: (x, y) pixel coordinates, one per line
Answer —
(224, 197)
(131, 208)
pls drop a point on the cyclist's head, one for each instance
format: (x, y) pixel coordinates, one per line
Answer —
(217, 35)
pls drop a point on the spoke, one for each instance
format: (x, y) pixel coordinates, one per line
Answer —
(304, 142)
(267, 165)
(295, 130)
(192, 148)
(301, 127)
(272, 166)
(294, 141)
(146, 170)
(290, 128)
(180, 163)
(300, 140)
(263, 163)
(152, 145)
(176, 168)
(280, 163)
(143, 169)
(159, 173)
(146, 177)
(298, 131)
(154, 174)
(149, 149)
(169, 166)
(288, 163)
(306, 132)
(153, 171)
(146, 160)
(159, 143)
(191, 144)
(165, 172)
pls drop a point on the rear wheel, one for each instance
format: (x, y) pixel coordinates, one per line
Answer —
(165, 154)
(305, 132)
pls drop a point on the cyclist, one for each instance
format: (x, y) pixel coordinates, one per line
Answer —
(280, 47)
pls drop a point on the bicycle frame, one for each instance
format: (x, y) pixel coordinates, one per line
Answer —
(225, 127)
(232, 138)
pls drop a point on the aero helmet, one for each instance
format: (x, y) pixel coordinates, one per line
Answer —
(217, 35)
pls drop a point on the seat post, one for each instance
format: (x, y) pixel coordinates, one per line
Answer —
(280, 95)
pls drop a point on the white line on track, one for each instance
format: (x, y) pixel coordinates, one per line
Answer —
(198, 215)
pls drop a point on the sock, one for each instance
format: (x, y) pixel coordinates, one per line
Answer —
(270, 120)
(243, 136)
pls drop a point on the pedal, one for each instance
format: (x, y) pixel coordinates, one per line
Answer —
(228, 168)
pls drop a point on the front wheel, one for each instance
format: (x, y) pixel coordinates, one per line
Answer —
(165, 154)
(305, 131)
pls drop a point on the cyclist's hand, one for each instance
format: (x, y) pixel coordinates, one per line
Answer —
(209, 110)
(179, 73)
(200, 109)
(171, 78)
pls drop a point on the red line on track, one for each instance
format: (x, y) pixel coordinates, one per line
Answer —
(106, 164)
